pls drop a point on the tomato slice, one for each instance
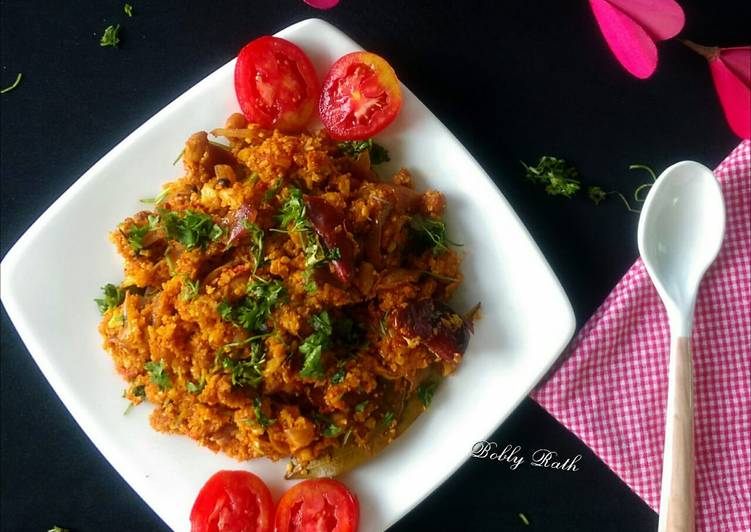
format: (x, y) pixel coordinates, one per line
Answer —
(319, 505)
(275, 84)
(233, 501)
(360, 96)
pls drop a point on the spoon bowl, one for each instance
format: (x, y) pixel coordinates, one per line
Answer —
(681, 230)
(680, 233)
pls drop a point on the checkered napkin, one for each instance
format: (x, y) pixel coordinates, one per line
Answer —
(611, 391)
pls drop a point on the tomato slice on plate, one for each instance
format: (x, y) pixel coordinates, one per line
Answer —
(233, 501)
(319, 505)
(276, 84)
(360, 96)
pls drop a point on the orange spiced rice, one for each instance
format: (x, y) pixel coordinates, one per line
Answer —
(281, 300)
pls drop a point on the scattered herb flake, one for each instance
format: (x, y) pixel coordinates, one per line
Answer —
(256, 243)
(246, 371)
(196, 388)
(136, 234)
(388, 417)
(110, 36)
(338, 377)
(558, 177)
(190, 289)
(128, 9)
(192, 229)
(352, 148)
(56, 528)
(360, 407)
(113, 296)
(314, 345)
(14, 85)
(425, 392)
(596, 194)
(331, 431)
(260, 416)
(156, 371)
(523, 519)
(433, 232)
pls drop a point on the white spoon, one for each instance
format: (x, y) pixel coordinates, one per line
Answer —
(680, 233)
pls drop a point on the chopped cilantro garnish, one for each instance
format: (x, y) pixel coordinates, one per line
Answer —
(156, 371)
(260, 416)
(314, 345)
(14, 85)
(523, 519)
(271, 192)
(360, 407)
(190, 289)
(112, 297)
(596, 194)
(338, 377)
(425, 392)
(128, 9)
(139, 391)
(433, 232)
(331, 431)
(254, 310)
(196, 388)
(558, 177)
(292, 215)
(388, 417)
(110, 36)
(256, 243)
(192, 229)
(137, 233)
(352, 148)
(247, 371)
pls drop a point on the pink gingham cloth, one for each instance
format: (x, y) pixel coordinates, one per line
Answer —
(611, 391)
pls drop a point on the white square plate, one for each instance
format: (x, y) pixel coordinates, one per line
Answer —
(65, 257)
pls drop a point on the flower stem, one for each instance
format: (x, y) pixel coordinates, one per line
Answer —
(710, 53)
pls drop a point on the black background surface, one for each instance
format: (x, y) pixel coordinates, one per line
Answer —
(512, 80)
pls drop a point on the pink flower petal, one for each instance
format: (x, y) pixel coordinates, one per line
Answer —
(629, 42)
(738, 60)
(662, 19)
(735, 97)
(321, 4)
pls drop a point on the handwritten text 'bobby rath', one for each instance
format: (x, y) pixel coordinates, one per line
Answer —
(512, 455)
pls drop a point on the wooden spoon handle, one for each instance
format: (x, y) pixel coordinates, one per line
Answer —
(677, 494)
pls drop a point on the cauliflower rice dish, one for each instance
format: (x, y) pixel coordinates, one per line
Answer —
(281, 300)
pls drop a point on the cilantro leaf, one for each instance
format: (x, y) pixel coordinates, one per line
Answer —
(110, 36)
(136, 234)
(256, 243)
(388, 417)
(352, 148)
(314, 345)
(190, 289)
(596, 194)
(128, 9)
(425, 392)
(260, 416)
(247, 371)
(558, 177)
(432, 232)
(196, 388)
(338, 377)
(113, 296)
(360, 407)
(156, 371)
(192, 229)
